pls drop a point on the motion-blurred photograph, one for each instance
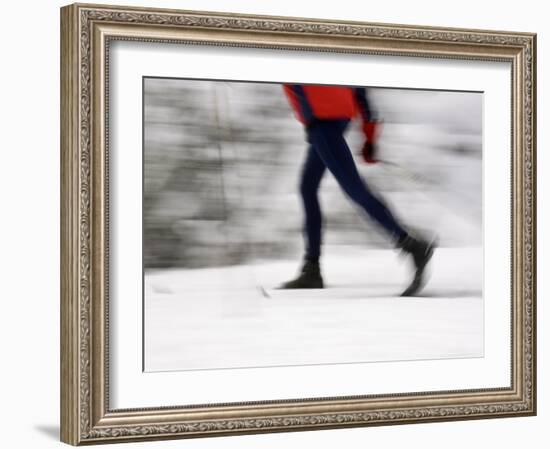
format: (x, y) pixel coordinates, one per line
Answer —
(301, 224)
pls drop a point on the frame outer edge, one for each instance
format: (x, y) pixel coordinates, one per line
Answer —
(80, 358)
(69, 257)
(535, 304)
(533, 137)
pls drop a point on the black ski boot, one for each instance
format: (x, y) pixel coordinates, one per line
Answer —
(309, 277)
(421, 252)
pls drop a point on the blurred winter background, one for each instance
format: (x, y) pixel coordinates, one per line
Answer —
(223, 224)
(222, 162)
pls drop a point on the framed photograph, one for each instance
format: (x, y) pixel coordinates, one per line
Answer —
(279, 224)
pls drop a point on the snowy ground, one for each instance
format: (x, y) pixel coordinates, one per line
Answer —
(218, 318)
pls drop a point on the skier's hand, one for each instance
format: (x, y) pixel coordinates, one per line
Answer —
(370, 147)
(368, 152)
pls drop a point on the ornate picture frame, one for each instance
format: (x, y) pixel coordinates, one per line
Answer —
(87, 32)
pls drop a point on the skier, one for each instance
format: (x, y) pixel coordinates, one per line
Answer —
(325, 112)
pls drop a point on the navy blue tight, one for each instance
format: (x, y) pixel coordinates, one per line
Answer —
(328, 149)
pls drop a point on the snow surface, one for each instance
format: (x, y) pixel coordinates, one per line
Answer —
(213, 318)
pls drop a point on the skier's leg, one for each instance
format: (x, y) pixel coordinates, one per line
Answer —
(328, 140)
(310, 273)
(312, 173)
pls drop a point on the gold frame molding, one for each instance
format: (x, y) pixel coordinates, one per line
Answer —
(86, 31)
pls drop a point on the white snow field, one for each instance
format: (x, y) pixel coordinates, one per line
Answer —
(218, 318)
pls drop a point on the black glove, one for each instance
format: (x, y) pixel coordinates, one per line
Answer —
(369, 152)
(370, 148)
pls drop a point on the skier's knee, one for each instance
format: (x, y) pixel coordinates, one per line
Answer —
(307, 189)
(361, 196)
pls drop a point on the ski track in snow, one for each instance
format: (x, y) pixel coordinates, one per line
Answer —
(217, 318)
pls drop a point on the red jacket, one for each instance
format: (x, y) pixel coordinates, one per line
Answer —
(326, 102)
